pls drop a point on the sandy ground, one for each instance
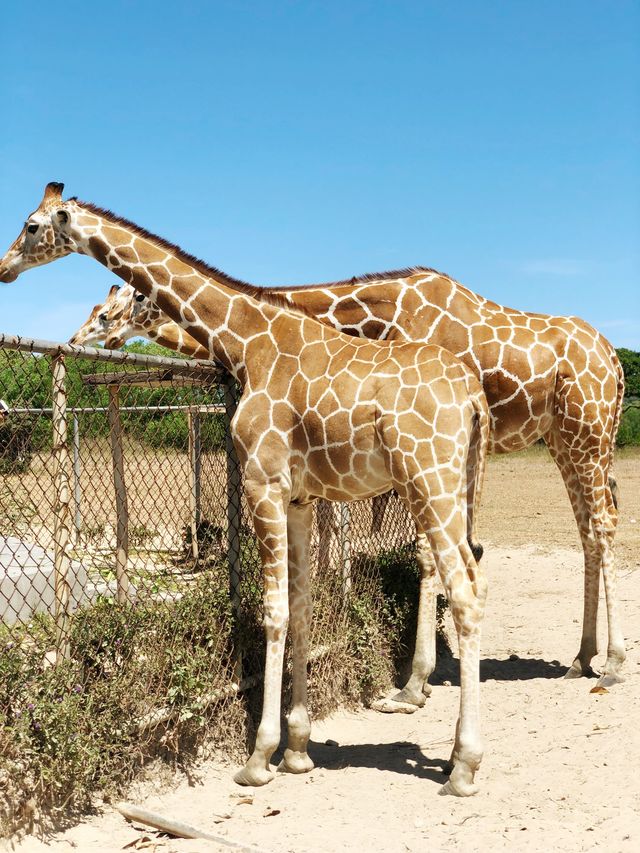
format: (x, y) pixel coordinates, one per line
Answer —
(561, 764)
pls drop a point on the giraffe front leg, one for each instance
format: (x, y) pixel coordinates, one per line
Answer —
(296, 758)
(413, 694)
(270, 527)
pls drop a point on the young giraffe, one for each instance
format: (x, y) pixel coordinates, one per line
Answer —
(546, 377)
(125, 314)
(322, 415)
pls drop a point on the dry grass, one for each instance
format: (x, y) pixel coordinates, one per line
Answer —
(525, 502)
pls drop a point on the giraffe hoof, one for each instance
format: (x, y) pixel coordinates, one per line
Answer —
(253, 777)
(576, 670)
(451, 789)
(606, 680)
(295, 762)
(391, 705)
(408, 696)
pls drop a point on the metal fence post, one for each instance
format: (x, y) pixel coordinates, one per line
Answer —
(345, 547)
(234, 511)
(77, 492)
(122, 509)
(195, 468)
(62, 526)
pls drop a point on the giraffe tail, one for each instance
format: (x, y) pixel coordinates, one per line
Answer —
(613, 485)
(476, 461)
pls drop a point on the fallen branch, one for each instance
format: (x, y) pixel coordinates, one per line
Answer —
(176, 827)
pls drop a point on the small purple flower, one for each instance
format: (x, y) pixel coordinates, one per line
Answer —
(18, 714)
(9, 646)
(36, 725)
(30, 706)
(77, 689)
(118, 641)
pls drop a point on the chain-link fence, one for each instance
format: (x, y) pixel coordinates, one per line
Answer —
(130, 584)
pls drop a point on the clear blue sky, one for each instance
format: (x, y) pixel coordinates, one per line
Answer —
(288, 142)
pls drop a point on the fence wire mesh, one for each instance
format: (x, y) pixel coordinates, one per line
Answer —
(130, 583)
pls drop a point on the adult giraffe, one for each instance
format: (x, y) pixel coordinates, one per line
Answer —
(322, 415)
(546, 377)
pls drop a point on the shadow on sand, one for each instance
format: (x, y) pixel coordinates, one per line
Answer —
(401, 757)
(499, 669)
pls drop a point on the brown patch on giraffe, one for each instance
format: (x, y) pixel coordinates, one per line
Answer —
(407, 443)
(86, 220)
(125, 273)
(160, 274)
(167, 302)
(148, 252)
(314, 360)
(127, 254)
(339, 424)
(263, 350)
(373, 329)
(116, 236)
(454, 335)
(189, 314)
(503, 334)
(142, 280)
(178, 267)
(281, 383)
(577, 356)
(497, 387)
(99, 250)
(287, 329)
(328, 403)
(351, 312)
(283, 415)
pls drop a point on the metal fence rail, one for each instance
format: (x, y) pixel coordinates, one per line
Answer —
(130, 582)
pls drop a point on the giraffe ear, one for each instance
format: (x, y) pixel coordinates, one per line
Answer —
(62, 216)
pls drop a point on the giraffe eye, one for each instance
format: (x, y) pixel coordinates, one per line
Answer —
(103, 318)
(140, 297)
(32, 228)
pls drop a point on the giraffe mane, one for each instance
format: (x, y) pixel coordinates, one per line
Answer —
(272, 295)
(365, 278)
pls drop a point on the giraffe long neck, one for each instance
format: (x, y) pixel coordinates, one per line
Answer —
(173, 337)
(220, 319)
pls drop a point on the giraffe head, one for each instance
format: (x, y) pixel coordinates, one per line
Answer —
(43, 237)
(115, 320)
(129, 317)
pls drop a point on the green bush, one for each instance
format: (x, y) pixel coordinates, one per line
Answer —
(629, 431)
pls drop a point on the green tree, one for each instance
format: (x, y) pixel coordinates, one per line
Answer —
(630, 360)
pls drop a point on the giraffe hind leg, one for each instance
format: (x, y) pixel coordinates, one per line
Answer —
(299, 519)
(413, 695)
(594, 503)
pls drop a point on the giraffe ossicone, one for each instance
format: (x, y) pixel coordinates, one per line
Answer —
(322, 415)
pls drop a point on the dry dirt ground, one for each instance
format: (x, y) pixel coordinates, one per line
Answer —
(561, 764)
